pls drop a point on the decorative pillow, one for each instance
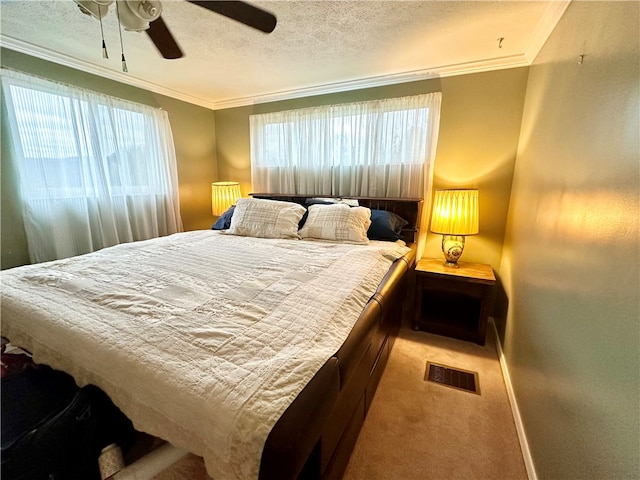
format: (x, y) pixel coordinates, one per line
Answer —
(385, 226)
(337, 222)
(224, 222)
(255, 217)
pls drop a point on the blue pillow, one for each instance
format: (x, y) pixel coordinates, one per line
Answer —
(385, 226)
(319, 201)
(303, 219)
(224, 222)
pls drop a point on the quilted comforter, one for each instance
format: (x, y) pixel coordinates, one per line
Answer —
(201, 338)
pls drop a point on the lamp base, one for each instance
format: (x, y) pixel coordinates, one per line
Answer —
(452, 248)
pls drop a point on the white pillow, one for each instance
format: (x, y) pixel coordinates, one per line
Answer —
(337, 222)
(255, 217)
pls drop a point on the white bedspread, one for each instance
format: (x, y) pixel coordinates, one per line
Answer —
(202, 339)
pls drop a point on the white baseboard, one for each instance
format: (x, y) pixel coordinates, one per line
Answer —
(524, 445)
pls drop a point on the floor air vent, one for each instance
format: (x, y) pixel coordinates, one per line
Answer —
(452, 377)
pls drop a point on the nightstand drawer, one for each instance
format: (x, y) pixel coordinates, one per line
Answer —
(450, 285)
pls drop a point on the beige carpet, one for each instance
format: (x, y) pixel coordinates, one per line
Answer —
(419, 430)
(422, 430)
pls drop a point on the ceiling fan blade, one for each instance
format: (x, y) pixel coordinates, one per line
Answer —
(242, 12)
(163, 40)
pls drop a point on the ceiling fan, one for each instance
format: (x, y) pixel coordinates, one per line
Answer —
(139, 15)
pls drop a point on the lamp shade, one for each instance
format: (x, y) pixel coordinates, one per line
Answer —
(223, 195)
(455, 212)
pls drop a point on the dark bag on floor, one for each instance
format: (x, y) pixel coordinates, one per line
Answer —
(53, 430)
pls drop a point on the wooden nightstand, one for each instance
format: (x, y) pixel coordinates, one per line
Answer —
(453, 301)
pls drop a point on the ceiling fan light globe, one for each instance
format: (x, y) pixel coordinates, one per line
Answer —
(93, 8)
(150, 11)
(136, 26)
(147, 10)
(129, 19)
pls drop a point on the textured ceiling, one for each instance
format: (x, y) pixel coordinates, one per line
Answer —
(316, 47)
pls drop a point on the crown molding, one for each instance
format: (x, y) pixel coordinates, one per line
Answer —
(545, 27)
(498, 63)
(77, 64)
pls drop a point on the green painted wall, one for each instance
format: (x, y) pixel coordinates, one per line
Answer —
(479, 129)
(194, 137)
(571, 259)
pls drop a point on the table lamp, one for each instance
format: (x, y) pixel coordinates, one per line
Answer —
(223, 195)
(454, 215)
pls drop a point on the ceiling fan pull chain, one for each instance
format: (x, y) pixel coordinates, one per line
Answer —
(105, 54)
(124, 64)
(124, 61)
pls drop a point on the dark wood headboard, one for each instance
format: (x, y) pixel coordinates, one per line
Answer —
(408, 208)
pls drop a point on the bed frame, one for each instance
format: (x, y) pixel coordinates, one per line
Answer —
(315, 436)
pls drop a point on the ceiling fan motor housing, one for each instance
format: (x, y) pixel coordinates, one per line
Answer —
(135, 15)
(145, 15)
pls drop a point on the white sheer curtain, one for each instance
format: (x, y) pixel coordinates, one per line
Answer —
(381, 148)
(94, 170)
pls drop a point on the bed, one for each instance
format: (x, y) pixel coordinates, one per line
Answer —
(253, 379)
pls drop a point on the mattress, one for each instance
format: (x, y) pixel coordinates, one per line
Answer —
(201, 338)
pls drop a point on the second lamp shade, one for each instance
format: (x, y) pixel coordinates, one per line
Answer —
(455, 212)
(223, 195)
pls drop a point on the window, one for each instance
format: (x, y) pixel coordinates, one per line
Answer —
(378, 148)
(94, 170)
